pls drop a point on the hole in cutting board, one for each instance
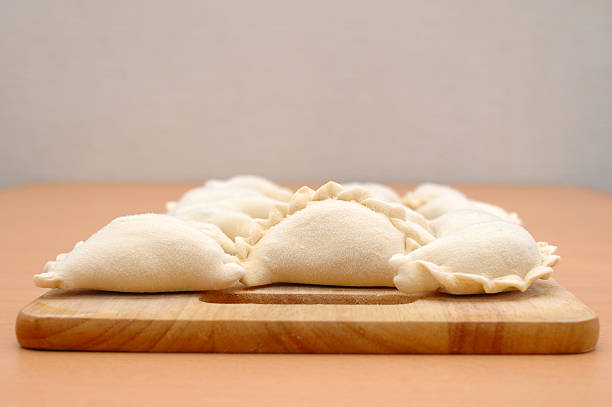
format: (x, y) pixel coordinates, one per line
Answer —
(307, 294)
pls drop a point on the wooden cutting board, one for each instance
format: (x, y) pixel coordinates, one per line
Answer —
(311, 319)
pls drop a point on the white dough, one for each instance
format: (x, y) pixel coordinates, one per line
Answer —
(487, 257)
(250, 203)
(459, 219)
(378, 191)
(232, 223)
(446, 203)
(358, 234)
(144, 253)
(229, 204)
(210, 195)
(252, 182)
(216, 233)
(331, 236)
(497, 211)
(255, 207)
(427, 192)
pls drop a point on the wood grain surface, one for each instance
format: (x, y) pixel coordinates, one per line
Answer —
(40, 220)
(311, 319)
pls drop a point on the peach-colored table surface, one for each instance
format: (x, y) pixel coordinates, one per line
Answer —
(40, 220)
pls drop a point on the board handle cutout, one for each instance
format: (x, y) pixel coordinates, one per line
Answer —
(304, 294)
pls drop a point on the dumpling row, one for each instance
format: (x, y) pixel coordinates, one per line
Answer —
(344, 236)
(231, 205)
(144, 253)
(250, 229)
(331, 236)
(174, 252)
(433, 201)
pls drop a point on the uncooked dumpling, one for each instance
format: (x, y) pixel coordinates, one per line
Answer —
(243, 200)
(487, 257)
(353, 235)
(232, 223)
(427, 192)
(202, 194)
(459, 219)
(378, 191)
(251, 196)
(216, 233)
(332, 236)
(144, 253)
(252, 182)
(447, 203)
(497, 211)
(434, 200)
(255, 206)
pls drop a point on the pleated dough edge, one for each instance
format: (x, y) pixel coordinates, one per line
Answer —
(425, 276)
(415, 234)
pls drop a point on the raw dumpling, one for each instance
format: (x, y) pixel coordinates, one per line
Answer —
(427, 192)
(243, 200)
(378, 191)
(447, 203)
(254, 206)
(216, 233)
(252, 230)
(434, 200)
(232, 223)
(252, 182)
(250, 195)
(459, 219)
(497, 211)
(144, 253)
(332, 236)
(487, 257)
(210, 195)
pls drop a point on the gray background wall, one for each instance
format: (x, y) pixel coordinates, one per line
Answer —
(474, 91)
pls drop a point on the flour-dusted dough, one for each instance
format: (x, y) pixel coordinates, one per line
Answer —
(487, 257)
(497, 211)
(434, 200)
(232, 209)
(230, 204)
(361, 234)
(447, 203)
(427, 192)
(208, 195)
(233, 223)
(331, 236)
(378, 191)
(255, 206)
(216, 233)
(252, 182)
(144, 253)
(243, 200)
(459, 219)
